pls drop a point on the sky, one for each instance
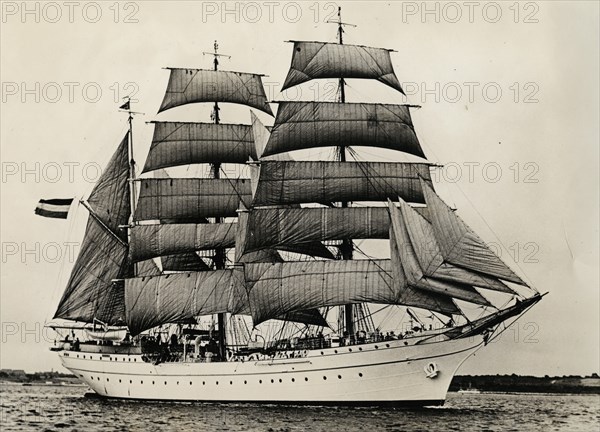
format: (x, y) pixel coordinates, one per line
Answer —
(510, 107)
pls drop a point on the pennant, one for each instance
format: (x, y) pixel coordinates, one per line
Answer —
(125, 106)
(54, 208)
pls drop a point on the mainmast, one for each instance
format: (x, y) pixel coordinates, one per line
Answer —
(219, 256)
(346, 247)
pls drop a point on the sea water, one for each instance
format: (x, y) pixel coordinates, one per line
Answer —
(62, 408)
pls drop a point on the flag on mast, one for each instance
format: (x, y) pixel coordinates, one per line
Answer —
(54, 208)
(125, 106)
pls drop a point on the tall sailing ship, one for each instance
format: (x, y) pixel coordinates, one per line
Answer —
(223, 288)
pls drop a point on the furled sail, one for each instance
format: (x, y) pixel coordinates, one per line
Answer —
(278, 288)
(152, 301)
(176, 143)
(460, 245)
(294, 182)
(430, 258)
(201, 85)
(312, 60)
(301, 125)
(149, 241)
(184, 199)
(413, 271)
(91, 293)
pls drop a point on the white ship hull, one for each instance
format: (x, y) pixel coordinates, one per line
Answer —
(383, 373)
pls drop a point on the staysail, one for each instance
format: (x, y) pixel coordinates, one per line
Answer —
(201, 85)
(413, 271)
(302, 125)
(460, 245)
(429, 256)
(312, 60)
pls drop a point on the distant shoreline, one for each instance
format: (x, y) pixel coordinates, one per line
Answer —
(527, 384)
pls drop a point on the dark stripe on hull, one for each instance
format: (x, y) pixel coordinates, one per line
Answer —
(386, 404)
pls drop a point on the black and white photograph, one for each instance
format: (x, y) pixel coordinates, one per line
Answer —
(300, 215)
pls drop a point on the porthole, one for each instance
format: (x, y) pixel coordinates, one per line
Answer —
(107, 380)
(177, 382)
(279, 379)
(203, 382)
(339, 377)
(217, 383)
(165, 383)
(293, 380)
(376, 346)
(272, 381)
(350, 349)
(152, 382)
(321, 352)
(142, 382)
(119, 379)
(260, 381)
(131, 382)
(387, 345)
(245, 382)
(335, 351)
(325, 378)
(360, 374)
(359, 348)
(306, 379)
(230, 382)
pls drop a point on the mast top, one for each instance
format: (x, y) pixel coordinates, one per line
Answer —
(216, 54)
(340, 25)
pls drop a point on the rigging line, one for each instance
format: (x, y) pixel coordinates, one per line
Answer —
(496, 236)
(371, 174)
